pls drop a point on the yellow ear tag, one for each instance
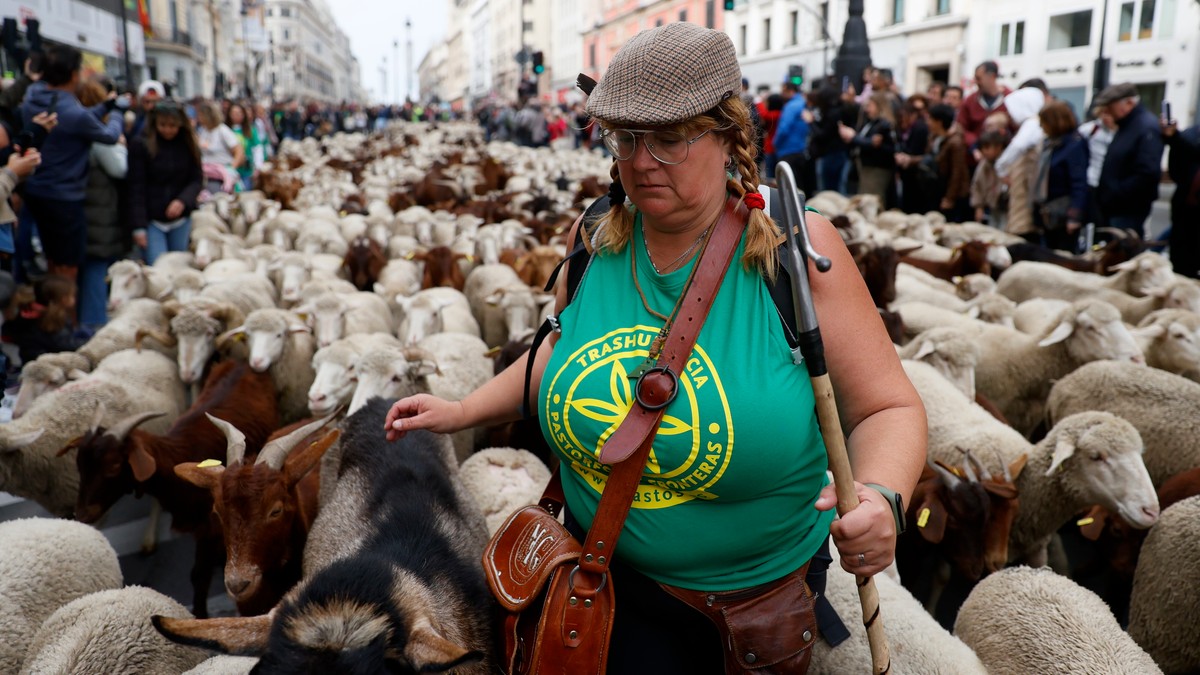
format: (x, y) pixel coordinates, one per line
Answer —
(923, 517)
(1085, 521)
(207, 463)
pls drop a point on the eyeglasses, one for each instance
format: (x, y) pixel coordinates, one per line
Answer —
(668, 147)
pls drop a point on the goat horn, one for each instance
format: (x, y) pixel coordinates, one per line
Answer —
(163, 337)
(948, 477)
(966, 465)
(121, 429)
(100, 411)
(1007, 474)
(983, 472)
(274, 453)
(235, 440)
(413, 354)
(225, 312)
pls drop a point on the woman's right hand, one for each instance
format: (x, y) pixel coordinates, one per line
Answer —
(23, 164)
(174, 209)
(424, 411)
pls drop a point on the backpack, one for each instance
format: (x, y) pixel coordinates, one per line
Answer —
(580, 257)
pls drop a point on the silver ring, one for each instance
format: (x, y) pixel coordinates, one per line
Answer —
(862, 559)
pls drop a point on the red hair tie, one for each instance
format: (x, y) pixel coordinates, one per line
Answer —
(754, 200)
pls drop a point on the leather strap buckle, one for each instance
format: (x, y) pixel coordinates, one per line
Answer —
(571, 580)
(654, 397)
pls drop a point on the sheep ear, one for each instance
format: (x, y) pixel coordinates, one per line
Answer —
(1150, 332)
(1062, 452)
(298, 464)
(205, 477)
(932, 513)
(1061, 332)
(927, 347)
(240, 636)
(141, 462)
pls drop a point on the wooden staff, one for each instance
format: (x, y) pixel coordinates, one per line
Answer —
(813, 353)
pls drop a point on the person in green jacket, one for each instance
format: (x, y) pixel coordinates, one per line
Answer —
(251, 140)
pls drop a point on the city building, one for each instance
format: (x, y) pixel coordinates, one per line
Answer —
(308, 55)
(92, 26)
(608, 24)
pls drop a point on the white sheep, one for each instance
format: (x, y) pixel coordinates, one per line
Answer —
(1137, 277)
(952, 351)
(1163, 407)
(1164, 609)
(503, 480)
(1170, 339)
(187, 284)
(333, 383)
(30, 465)
(278, 340)
(435, 310)
(1015, 370)
(130, 280)
(335, 315)
(47, 373)
(121, 331)
(502, 303)
(918, 643)
(911, 288)
(226, 269)
(110, 632)
(1021, 621)
(919, 317)
(972, 286)
(1086, 459)
(44, 564)
(398, 277)
(447, 365)
(1036, 315)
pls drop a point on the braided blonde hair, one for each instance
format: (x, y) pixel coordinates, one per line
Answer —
(730, 119)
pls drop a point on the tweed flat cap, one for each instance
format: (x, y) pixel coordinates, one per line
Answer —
(667, 75)
(1114, 93)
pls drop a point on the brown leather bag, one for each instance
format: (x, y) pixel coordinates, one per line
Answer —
(558, 594)
(765, 630)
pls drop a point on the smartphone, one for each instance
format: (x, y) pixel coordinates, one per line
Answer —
(24, 140)
(845, 84)
(53, 107)
(1166, 111)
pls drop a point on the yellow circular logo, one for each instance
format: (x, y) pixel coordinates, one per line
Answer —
(592, 392)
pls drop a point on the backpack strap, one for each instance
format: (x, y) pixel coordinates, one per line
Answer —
(581, 253)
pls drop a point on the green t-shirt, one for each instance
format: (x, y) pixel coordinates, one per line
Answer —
(726, 500)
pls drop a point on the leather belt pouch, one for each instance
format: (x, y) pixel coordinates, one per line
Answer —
(765, 630)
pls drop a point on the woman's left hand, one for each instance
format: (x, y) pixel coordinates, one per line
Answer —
(869, 530)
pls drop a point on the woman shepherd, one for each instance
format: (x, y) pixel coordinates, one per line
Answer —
(734, 494)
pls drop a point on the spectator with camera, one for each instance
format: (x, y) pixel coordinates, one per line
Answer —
(55, 194)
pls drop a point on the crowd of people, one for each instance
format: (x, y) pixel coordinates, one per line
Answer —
(91, 176)
(1017, 159)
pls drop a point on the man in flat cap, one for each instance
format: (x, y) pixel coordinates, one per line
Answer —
(1133, 166)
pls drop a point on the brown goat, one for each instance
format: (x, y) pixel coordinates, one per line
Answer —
(265, 508)
(364, 261)
(124, 459)
(967, 258)
(441, 268)
(961, 517)
(535, 267)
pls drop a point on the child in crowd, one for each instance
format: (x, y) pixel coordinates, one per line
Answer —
(44, 320)
(987, 190)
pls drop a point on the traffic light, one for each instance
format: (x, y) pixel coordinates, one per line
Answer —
(729, 5)
(538, 66)
(796, 75)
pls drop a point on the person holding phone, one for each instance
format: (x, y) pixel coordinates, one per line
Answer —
(55, 194)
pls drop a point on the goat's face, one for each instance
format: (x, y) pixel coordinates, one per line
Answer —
(104, 472)
(257, 509)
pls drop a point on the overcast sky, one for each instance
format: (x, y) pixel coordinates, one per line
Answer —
(373, 26)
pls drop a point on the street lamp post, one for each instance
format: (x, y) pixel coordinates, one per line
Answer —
(408, 69)
(396, 67)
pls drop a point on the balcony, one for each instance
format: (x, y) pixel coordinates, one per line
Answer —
(167, 37)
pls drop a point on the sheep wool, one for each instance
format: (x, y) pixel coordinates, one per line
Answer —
(1023, 620)
(110, 632)
(1164, 610)
(919, 645)
(44, 564)
(503, 480)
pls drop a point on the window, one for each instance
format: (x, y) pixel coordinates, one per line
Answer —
(742, 36)
(1012, 38)
(766, 35)
(1070, 30)
(683, 15)
(794, 34)
(287, 34)
(709, 13)
(1145, 25)
(285, 11)
(943, 7)
(897, 11)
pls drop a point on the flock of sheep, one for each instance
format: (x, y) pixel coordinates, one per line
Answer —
(376, 267)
